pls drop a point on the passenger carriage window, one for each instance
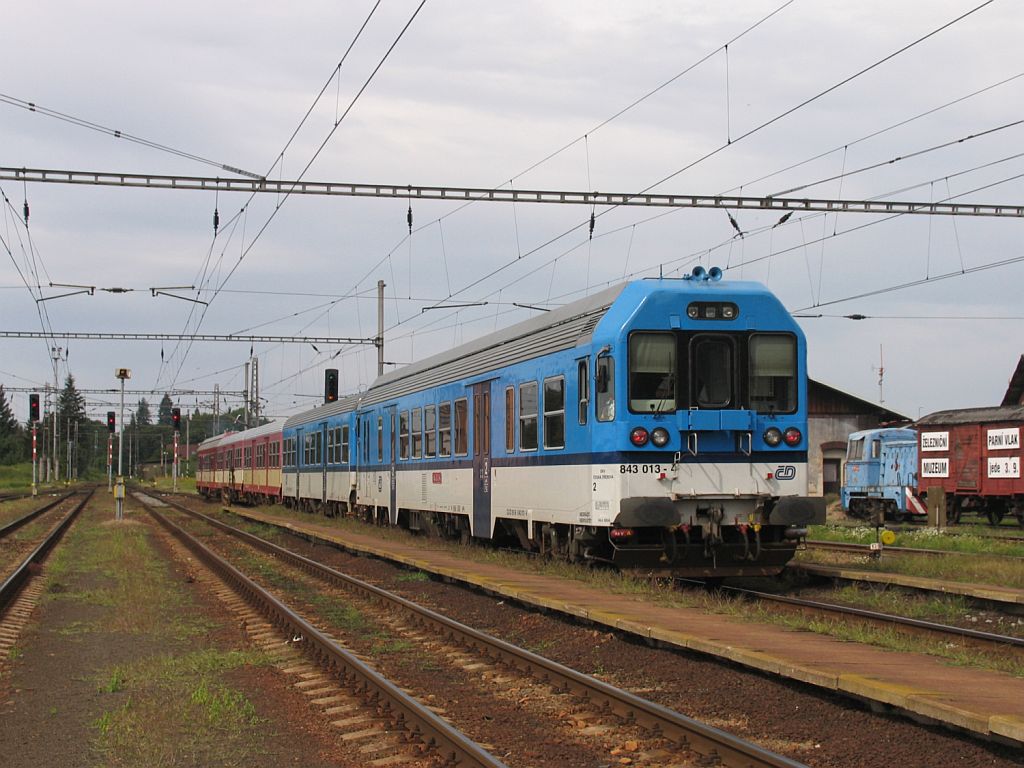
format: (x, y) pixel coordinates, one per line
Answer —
(330, 446)
(554, 412)
(528, 416)
(652, 372)
(429, 433)
(772, 361)
(711, 359)
(417, 433)
(461, 420)
(583, 388)
(344, 444)
(510, 419)
(380, 438)
(403, 434)
(444, 429)
(604, 402)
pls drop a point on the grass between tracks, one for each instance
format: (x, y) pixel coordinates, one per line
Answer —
(973, 542)
(165, 683)
(946, 609)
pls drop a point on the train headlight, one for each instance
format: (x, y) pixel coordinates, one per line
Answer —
(793, 437)
(639, 437)
(660, 437)
(772, 436)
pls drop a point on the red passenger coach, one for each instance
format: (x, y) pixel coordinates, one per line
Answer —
(974, 455)
(242, 466)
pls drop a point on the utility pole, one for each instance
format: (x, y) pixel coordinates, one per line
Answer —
(254, 389)
(216, 409)
(379, 340)
(56, 354)
(248, 395)
(122, 374)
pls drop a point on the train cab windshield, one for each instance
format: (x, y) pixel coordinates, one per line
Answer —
(756, 371)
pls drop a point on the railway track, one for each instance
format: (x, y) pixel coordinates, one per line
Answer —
(17, 594)
(11, 527)
(983, 641)
(477, 650)
(865, 549)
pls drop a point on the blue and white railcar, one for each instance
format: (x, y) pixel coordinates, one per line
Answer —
(318, 458)
(657, 424)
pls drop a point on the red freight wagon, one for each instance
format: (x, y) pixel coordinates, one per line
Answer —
(974, 455)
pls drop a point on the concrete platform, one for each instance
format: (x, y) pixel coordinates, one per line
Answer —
(989, 704)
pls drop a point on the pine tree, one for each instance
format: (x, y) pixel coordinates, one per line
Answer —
(71, 418)
(142, 415)
(12, 439)
(164, 412)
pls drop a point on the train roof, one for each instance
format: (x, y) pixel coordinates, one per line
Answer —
(211, 442)
(887, 434)
(230, 438)
(561, 328)
(974, 415)
(342, 405)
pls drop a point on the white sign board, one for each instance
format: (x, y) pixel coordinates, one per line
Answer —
(935, 441)
(1003, 439)
(1003, 466)
(934, 467)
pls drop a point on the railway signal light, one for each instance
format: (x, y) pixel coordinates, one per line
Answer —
(111, 421)
(330, 385)
(33, 407)
(176, 419)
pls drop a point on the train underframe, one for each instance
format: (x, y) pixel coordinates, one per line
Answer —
(705, 547)
(993, 508)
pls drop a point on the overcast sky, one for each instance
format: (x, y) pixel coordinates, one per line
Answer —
(474, 94)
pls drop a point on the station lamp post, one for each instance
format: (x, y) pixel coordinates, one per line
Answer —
(122, 374)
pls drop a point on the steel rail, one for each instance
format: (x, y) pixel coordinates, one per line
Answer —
(978, 638)
(701, 738)
(14, 525)
(13, 584)
(864, 549)
(406, 713)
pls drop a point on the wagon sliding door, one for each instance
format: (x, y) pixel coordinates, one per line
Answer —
(482, 459)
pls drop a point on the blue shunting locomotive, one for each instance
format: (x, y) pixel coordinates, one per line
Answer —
(880, 478)
(659, 424)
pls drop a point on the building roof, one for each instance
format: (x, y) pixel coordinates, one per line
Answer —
(975, 415)
(824, 399)
(1015, 389)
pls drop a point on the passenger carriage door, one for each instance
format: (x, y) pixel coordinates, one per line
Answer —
(300, 456)
(321, 456)
(482, 459)
(392, 441)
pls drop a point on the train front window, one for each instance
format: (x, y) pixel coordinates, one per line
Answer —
(652, 372)
(711, 364)
(772, 373)
(855, 450)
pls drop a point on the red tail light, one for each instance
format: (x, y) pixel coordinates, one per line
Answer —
(619, 534)
(792, 437)
(639, 437)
